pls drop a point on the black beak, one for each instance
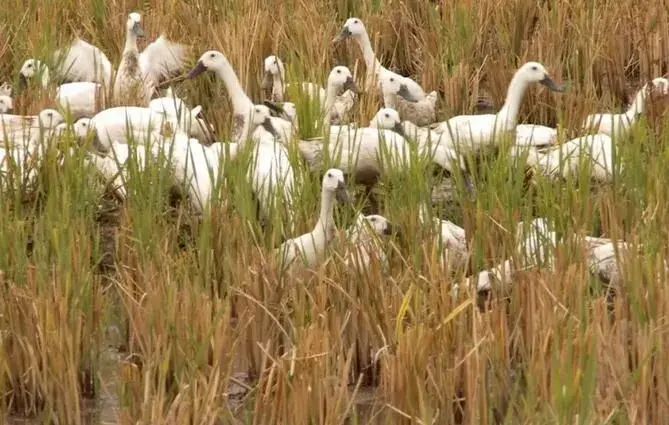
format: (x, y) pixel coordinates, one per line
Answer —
(349, 84)
(23, 82)
(551, 84)
(267, 125)
(390, 229)
(399, 128)
(199, 69)
(274, 106)
(139, 32)
(343, 35)
(342, 194)
(406, 94)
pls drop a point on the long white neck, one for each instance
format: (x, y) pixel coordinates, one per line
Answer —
(368, 52)
(278, 84)
(389, 100)
(514, 96)
(637, 107)
(241, 104)
(325, 220)
(330, 97)
(130, 42)
(373, 65)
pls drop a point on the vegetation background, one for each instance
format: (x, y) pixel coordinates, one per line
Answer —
(141, 313)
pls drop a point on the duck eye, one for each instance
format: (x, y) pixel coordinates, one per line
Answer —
(330, 175)
(355, 21)
(373, 219)
(392, 80)
(213, 55)
(30, 65)
(339, 71)
(534, 68)
(387, 115)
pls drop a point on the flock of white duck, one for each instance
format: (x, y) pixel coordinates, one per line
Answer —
(115, 107)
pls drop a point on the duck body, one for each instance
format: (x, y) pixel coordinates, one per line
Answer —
(81, 99)
(310, 248)
(619, 125)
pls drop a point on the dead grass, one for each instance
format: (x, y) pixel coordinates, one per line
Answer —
(201, 302)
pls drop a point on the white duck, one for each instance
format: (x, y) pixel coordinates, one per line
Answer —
(270, 172)
(565, 159)
(397, 96)
(477, 131)
(80, 62)
(130, 86)
(195, 166)
(364, 152)
(6, 104)
(603, 256)
(142, 124)
(535, 244)
(242, 106)
(618, 125)
(429, 143)
(81, 99)
(192, 121)
(535, 135)
(353, 27)
(311, 246)
(450, 238)
(20, 129)
(340, 96)
(275, 79)
(113, 165)
(363, 242)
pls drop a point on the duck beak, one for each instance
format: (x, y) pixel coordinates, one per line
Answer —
(343, 35)
(23, 82)
(546, 81)
(390, 229)
(399, 128)
(406, 94)
(139, 32)
(349, 84)
(267, 81)
(197, 70)
(342, 194)
(267, 125)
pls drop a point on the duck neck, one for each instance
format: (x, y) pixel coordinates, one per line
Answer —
(325, 220)
(637, 107)
(45, 76)
(130, 42)
(390, 100)
(241, 104)
(373, 65)
(368, 51)
(330, 97)
(278, 85)
(514, 96)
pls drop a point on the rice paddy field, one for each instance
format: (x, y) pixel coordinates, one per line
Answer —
(142, 312)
